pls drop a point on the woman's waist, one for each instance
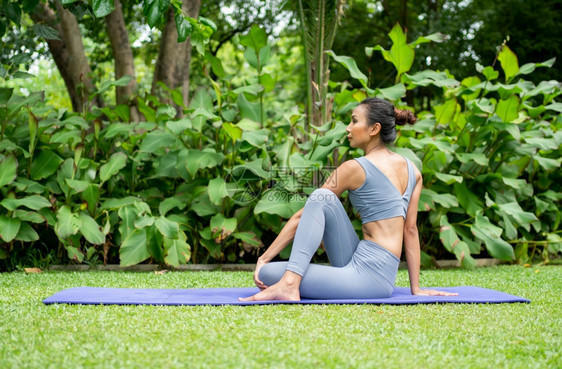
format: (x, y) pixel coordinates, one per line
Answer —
(393, 246)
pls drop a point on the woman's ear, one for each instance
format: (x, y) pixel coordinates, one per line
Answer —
(375, 129)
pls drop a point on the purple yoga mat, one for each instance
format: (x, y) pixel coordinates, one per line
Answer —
(229, 296)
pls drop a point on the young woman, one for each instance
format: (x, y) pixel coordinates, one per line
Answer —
(385, 188)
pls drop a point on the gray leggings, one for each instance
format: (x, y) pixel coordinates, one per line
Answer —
(358, 269)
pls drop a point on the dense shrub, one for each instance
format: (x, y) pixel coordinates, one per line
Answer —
(216, 185)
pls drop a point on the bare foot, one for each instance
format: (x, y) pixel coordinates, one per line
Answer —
(287, 289)
(278, 291)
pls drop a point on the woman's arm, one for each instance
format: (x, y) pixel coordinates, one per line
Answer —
(412, 244)
(284, 238)
(412, 239)
(346, 176)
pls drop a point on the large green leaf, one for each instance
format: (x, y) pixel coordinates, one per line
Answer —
(34, 202)
(154, 10)
(509, 62)
(256, 38)
(508, 110)
(156, 140)
(521, 217)
(428, 198)
(434, 37)
(222, 227)
(429, 77)
(168, 228)
(8, 170)
(183, 26)
(249, 110)
(252, 170)
(255, 138)
(45, 164)
(440, 143)
(26, 185)
(448, 178)
(548, 163)
(452, 243)
(468, 200)
(202, 99)
(282, 203)
(128, 215)
(5, 95)
(444, 113)
(117, 129)
(179, 126)
(393, 92)
(248, 237)
(77, 185)
(217, 190)
(70, 137)
(26, 233)
(74, 254)
(267, 81)
(9, 228)
(134, 250)
(177, 252)
(154, 242)
(119, 203)
(68, 223)
(144, 220)
(401, 54)
(232, 130)
(29, 216)
(103, 7)
(490, 234)
(65, 172)
(477, 158)
(203, 207)
(252, 57)
(115, 163)
(91, 230)
(350, 64)
(197, 159)
(178, 201)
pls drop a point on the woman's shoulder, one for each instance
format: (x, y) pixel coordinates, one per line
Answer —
(350, 164)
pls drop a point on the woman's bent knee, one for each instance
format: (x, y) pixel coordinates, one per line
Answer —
(323, 195)
(271, 273)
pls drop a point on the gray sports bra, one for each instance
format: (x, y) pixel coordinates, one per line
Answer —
(377, 198)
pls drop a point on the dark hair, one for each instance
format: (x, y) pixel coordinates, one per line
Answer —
(383, 112)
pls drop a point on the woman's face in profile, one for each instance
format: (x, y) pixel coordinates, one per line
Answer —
(357, 129)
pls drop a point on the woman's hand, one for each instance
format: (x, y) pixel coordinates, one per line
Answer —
(433, 293)
(257, 281)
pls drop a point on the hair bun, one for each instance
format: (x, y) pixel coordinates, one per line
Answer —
(404, 116)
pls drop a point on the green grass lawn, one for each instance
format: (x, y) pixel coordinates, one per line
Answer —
(33, 335)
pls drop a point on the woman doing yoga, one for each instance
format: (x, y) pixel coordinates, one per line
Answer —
(385, 188)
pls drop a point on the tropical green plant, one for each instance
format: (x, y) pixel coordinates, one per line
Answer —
(217, 184)
(490, 156)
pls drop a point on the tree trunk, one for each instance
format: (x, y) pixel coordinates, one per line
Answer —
(173, 64)
(43, 14)
(168, 54)
(183, 66)
(77, 66)
(123, 56)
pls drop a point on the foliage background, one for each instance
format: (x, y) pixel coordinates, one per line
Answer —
(213, 180)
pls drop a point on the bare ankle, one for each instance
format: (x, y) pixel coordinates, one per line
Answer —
(292, 279)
